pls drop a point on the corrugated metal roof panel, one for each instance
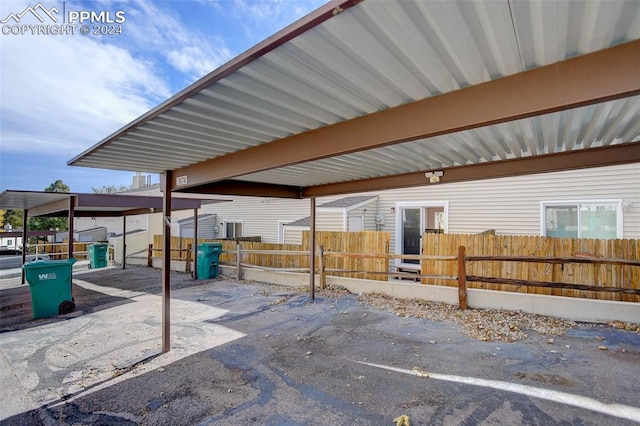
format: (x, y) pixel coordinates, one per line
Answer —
(378, 55)
(591, 126)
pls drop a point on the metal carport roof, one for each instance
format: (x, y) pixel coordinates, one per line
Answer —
(377, 89)
(71, 205)
(360, 96)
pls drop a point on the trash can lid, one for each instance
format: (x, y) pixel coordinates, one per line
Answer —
(48, 263)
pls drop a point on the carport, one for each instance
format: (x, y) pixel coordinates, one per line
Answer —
(370, 95)
(72, 205)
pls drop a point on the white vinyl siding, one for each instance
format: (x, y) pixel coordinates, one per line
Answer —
(334, 220)
(259, 216)
(512, 205)
(293, 234)
(508, 205)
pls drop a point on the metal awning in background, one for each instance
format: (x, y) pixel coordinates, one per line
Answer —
(72, 205)
(56, 204)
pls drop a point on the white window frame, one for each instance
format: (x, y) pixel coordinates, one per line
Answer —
(224, 227)
(422, 205)
(606, 202)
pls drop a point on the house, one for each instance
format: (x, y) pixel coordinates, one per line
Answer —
(601, 202)
(11, 239)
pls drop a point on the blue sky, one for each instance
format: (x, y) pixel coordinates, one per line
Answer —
(61, 94)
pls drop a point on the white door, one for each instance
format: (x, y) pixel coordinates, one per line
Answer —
(356, 223)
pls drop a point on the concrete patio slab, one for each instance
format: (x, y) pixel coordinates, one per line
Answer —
(251, 353)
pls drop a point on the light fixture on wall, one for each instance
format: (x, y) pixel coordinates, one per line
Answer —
(434, 177)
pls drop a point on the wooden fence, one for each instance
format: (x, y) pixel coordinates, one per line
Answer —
(603, 274)
(60, 250)
(363, 242)
(549, 260)
(353, 242)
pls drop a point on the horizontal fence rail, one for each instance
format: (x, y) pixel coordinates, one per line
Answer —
(57, 251)
(506, 262)
(594, 269)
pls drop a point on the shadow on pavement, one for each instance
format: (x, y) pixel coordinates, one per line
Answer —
(16, 311)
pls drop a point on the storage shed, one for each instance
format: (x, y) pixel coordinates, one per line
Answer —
(351, 214)
(207, 227)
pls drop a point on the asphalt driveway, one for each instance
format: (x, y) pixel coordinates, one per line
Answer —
(250, 353)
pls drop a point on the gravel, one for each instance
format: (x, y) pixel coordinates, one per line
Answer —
(481, 324)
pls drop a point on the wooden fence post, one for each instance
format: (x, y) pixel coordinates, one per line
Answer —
(462, 278)
(238, 261)
(187, 267)
(150, 256)
(323, 276)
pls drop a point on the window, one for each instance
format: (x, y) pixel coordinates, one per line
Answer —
(413, 220)
(232, 229)
(578, 219)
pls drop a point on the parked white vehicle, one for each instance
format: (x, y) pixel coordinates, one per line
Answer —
(12, 258)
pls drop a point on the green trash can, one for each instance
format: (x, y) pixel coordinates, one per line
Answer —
(50, 284)
(97, 253)
(208, 265)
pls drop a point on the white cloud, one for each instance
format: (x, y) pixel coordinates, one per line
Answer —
(261, 18)
(65, 93)
(192, 60)
(188, 50)
(60, 92)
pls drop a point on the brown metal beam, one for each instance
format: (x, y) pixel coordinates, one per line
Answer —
(312, 250)
(71, 210)
(194, 247)
(588, 79)
(166, 261)
(25, 240)
(126, 202)
(238, 187)
(581, 159)
(110, 205)
(124, 243)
